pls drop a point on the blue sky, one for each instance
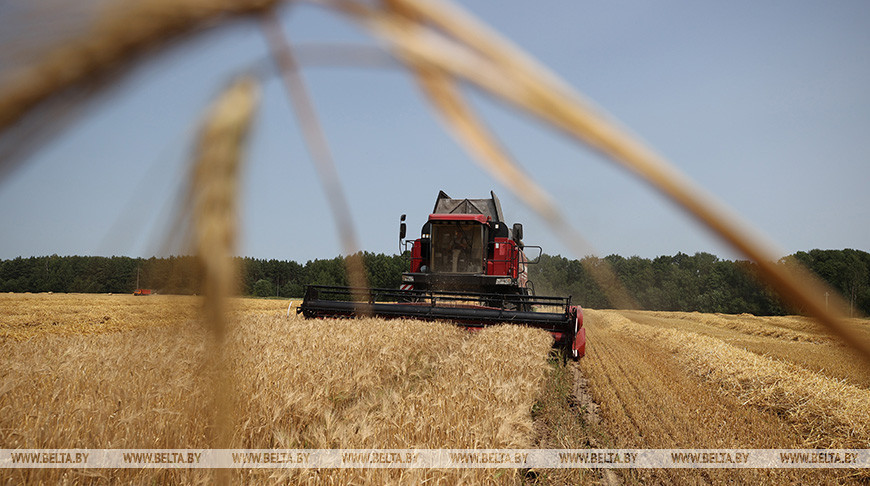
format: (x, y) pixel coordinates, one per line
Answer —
(765, 104)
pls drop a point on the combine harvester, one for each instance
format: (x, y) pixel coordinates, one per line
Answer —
(467, 267)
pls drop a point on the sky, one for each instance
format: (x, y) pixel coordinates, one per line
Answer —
(764, 104)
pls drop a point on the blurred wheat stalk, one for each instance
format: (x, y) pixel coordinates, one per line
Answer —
(443, 46)
(214, 194)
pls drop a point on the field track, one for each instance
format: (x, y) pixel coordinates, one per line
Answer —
(120, 371)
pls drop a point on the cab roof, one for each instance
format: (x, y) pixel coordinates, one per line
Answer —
(489, 208)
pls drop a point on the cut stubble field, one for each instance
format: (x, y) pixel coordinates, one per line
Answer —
(116, 371)
(689, 381)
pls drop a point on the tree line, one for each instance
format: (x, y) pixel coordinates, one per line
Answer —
(183, 274)
(701, 282)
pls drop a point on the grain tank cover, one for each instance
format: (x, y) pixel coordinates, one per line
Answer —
(487, 207)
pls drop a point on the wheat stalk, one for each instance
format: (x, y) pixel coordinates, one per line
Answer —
(122, 35)
(467, 128)
(214, 197)
(321, 155)
(214, 193)
(440, 37)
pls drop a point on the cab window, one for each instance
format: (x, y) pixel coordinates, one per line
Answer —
(457, 248)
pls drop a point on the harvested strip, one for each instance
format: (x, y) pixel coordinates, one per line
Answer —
(830, 413)
(648, 399)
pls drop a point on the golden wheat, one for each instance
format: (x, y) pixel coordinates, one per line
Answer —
(120, 35)
(366, 383)
(26, 316)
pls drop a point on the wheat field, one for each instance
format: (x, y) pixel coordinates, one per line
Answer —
(117, 371)
(135, 375)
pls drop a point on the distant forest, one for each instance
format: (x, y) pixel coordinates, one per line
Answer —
(701, 282)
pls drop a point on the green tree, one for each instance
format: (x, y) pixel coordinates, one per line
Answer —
(264, 288)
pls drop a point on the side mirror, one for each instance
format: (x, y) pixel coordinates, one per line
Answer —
(518, 232)
(403, 230)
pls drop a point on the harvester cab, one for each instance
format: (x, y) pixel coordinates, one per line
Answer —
(467, 267)
(465, 245)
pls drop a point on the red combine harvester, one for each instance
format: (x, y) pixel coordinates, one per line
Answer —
(467, 267)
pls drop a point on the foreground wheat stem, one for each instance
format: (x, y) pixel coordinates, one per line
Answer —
(317, 145)
(469, 130)
(122, 35)
(214, 194)
(444, 38)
